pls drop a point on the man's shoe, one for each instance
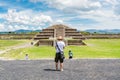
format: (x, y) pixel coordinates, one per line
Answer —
(61, 70)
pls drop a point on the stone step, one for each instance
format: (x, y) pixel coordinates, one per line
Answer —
(38, 38)
(45, 42)
(45, 32)
(44, 35)
(75, 42)
(73, 34)
(70, 30)
(78, 37)
(49, 31)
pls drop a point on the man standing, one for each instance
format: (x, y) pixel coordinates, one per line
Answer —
(60, 45)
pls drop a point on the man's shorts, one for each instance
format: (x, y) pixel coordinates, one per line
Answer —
(59, 57)
(70, 57)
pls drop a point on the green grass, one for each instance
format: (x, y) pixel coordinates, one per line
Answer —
(7, 43)
(96, 48)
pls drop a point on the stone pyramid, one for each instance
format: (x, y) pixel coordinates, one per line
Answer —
(48, 36)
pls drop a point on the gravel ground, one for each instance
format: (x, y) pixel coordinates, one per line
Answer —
(77, 69)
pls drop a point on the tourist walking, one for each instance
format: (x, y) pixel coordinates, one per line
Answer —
(59, 57)
(70, 54)
(26, 57)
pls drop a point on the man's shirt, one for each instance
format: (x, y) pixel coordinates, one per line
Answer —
(61, 46)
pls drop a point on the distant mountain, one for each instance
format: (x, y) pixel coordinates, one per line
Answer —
(105, 31)
(20, 31)
(3, 32)
(37, 30)
(25, 31)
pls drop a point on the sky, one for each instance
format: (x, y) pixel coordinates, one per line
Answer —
(40, 14)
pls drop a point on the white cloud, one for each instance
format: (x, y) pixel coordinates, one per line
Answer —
(26, 17)
(112, 1)
(2, 27)
(100, 14)
(10, 27)
(59, 21)
(35, 1)
(22, 19)
(73, 5)
(17, 27)
(106, 14)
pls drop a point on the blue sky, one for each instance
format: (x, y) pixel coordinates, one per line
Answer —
(40, 14)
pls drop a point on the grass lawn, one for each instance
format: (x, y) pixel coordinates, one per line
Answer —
(95, 48)
(8, 43)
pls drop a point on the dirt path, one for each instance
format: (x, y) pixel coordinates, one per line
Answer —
(16, 47)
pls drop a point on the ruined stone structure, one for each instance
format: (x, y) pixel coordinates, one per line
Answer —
(48, 36)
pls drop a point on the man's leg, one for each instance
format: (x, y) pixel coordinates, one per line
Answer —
(56, 61)
(61, 62)
(61, 66)
(56, 65)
